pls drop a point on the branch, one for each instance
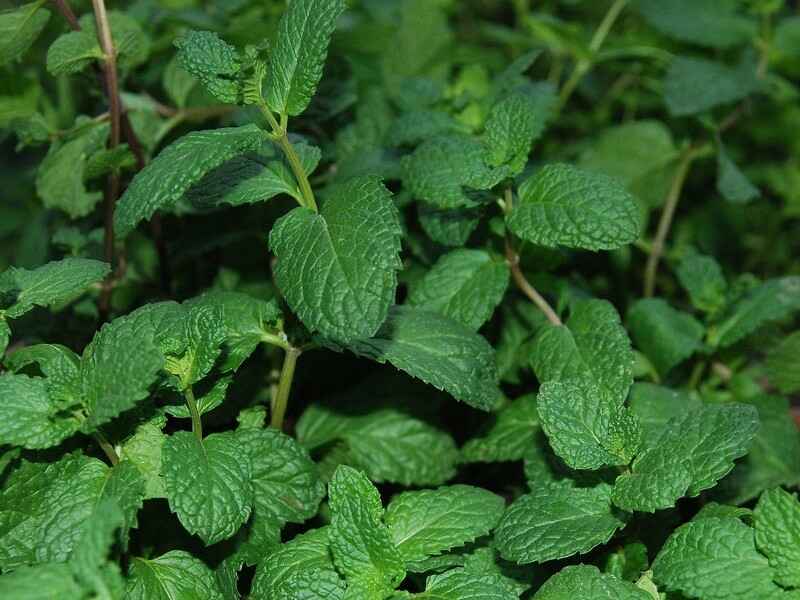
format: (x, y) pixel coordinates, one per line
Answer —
(524, 285)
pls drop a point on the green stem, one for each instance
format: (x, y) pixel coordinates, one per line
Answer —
(276, 340)
(584, 64)
(106, 447)
(197, 422)
(697, 374)
(279, 135)
(281, 399)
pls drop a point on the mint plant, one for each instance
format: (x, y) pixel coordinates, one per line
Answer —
(399, 299)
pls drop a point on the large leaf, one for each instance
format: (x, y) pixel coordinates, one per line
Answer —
(777, 523)
(338, 268)
(586, 581)
(176, 574)
(19, 29)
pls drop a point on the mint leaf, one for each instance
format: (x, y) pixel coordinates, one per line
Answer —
(461, 584)
(204, 333)
(448, 227)
(465, 285)
(699, 557)
(52, 284)
(5, 336)
(694, 85)
(143, 449)
(705, 22)
(783, 364)
(513, 430)
(695, 450)
(665, 335)
(296, 62)
(349, 251)
(166, 179)
(773, 300)
(72, 52)
(176, 574)
(562, 205)
(586, 581)
(361, 544)
(89, 561)
(428, 522)
(437, 350)
(732, 184)
(592, 343)
(124, 488)
(556, 521)
(213, 61)
(19, 29)
(387, 444)
(701, 276)
(208, 483)
(777, 524)
(654, 406)
(29, 417)
(50, 580)
(587, 426)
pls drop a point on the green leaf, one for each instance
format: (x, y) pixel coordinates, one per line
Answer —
(443, 170)
(89, 560)
(696, 449)
(732, 184)
(448, 227)
(586, 581)
(176, 574)
(437, 350)
(514, 124)
(19, 29)
(701, 276)
(143, 449)
(416, 126)
(777, 524)
(557, 521)
(695, 85)
(386, 443)
(72, 52)
(665, 335)
(296, 62)
(654, 406)
(187, 160)
(512, 431)
(592, 343)
(213, 61)
(362, 547)
(587, 426)
(773, 300)
(338, 268)
(55, 283)
(465, 285)
(700, 557)
(783, 364)
(48, 581)
(117, 369)
(562, 205)
(58, 498)
(773, 458)
(461, 584)
(708, 23)
(5, 336)
(428, 522)
(28, 416)
(208, 483)
(130, 41)
(204, 332)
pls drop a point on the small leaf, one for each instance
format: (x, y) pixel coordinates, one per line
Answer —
(509, 436)
(461, 584)
(701, 276)
(448, 227)
(19, 29)
(428, 522)
(732, 184)
(166, 179)
(586, 581)
(777, 524)
(176, 574)
(208, 483)
(72, 52)
(562, 205)
(143, 449)
(213, 61)
(465, 285)
(782, 365)
(336, 272)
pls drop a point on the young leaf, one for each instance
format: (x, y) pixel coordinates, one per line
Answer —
(777, 524)
(176, 574)
(338, 268)
(562, 205)
(19, 29)
(213, 61)
(428, 522)
(586, 425)
(461, 584)
(184, 162)
(586, 581)
(783, 364)
(298, 57)
(701, 276)
(465, 285)
(143, 449)
(665, 335)
(592, 343)
(437, 350)
(699, 557)
(695, 450)
(49, 285)
(732, 184)
(448, 227)
(208, 483)
(72, 52)
(204, 333)
(509, 436)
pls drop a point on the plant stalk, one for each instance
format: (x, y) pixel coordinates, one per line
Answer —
(664, 224)
(281, 399)
(106, 447)
(191, 404)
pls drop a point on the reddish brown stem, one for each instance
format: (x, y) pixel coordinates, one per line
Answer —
(526, 288)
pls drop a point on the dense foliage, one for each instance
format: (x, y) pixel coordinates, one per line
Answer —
(394, 299)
